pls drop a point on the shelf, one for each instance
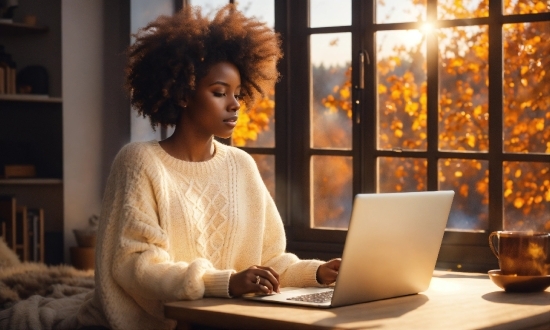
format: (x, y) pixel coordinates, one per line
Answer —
(31, 181)
(30, 98)
(17, 29)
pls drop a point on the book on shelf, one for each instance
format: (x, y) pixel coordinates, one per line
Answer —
(8, 73)
(21, 233)
(2, 80)
(7, 217)
(22, 229)
(19, 171)
(35, 228)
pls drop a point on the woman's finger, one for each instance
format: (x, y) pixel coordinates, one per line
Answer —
(271, 270)
(265, 277)
(264, 283)
(269, 277)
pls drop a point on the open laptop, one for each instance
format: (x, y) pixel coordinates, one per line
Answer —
(391, 248)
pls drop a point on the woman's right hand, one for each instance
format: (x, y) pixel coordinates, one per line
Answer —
(255, 279)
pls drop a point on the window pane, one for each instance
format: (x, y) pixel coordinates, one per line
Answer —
(526, 196)
(331, 91)
(325, 13)
(453, 9)
(463, 89)
(263, 10)
(256, 126)
(470, 181)
(401, 76)
(526, 7)
(141, 13)
(331, 186)
(209, 7)
(396, 11)
(266, 165)
(402, 174)
(526, 100)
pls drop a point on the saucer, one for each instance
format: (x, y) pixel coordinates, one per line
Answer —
(515, 283)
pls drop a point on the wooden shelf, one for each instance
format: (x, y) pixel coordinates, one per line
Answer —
(31, 181)
(17, 29)
(30, 98)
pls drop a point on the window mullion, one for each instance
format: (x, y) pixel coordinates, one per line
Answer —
(495, 116)
(432, 61)
(368, 101)
(298, 114)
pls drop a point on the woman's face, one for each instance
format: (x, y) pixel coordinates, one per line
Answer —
(212, 108)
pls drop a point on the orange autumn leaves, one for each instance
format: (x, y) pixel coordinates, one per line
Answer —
(340, 100)
(254, 121)
(463, 107)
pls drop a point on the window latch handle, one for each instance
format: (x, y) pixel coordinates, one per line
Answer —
(361, 70)
(363, 58)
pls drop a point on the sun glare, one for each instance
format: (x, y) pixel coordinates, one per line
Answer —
(427, 28)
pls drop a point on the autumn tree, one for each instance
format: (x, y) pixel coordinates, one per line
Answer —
(463, 117)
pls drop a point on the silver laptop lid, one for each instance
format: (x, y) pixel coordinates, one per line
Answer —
(392, 245)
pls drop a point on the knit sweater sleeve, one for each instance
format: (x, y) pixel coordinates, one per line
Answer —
(293, 271)
(141, 262)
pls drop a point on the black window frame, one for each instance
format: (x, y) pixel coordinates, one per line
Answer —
(467, 251)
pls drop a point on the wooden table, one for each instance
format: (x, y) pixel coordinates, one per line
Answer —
(453, 301)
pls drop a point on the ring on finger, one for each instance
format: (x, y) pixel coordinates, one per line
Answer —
(257, 279)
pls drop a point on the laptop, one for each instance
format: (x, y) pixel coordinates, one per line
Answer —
(391, 248)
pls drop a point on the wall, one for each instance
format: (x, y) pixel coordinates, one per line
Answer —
(96, 124)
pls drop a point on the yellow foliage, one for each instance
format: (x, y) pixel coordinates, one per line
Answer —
(464, 106)
(507, 192)
(541, 7)
(518, 202)
(539, 124)
(457, 62)
(344, 93)
(395, 94)
(524, 82)
(471, 140)
(253, 121)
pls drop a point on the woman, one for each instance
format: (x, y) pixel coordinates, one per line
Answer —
(189, 217)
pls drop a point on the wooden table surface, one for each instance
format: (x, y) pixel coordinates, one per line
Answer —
(453, 301)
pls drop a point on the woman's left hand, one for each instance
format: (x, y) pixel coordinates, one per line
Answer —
(327, 272)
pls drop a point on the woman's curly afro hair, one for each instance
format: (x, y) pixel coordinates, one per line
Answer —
(172, 53)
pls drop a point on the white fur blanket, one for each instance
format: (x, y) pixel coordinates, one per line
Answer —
(37, 296)
(22, 281)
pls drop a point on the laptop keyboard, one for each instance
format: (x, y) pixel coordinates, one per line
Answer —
(320, 297)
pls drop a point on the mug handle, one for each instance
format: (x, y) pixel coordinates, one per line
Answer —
(491, 243)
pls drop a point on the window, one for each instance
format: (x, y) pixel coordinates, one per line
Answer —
(396, 95)
(141, 13)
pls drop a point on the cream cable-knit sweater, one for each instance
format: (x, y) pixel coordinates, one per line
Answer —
(173, 230)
